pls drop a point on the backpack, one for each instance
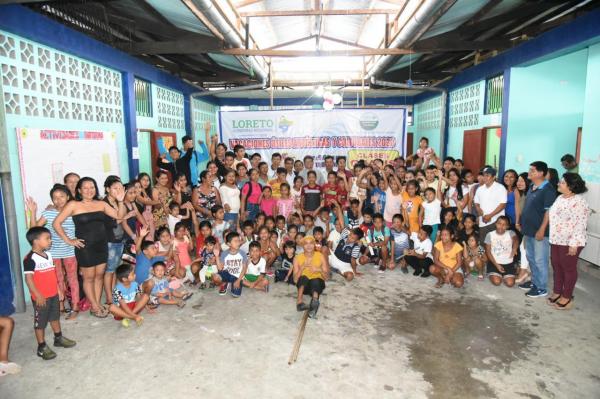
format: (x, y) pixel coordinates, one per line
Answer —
(249, 183)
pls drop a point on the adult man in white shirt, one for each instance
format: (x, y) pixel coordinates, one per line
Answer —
(490, 201)
(288, 164)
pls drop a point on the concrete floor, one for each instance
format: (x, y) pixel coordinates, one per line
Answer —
(382, 336)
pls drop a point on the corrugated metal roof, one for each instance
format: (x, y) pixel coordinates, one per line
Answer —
(179, 15)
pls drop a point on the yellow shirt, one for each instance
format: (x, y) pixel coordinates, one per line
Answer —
(414, 204)
(275, 188)
(315, 269)
(448, 259)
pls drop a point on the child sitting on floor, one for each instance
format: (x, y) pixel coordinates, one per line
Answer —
(255, 276)
(379, 238)
(400, 242)
(232, 266)
(40, 277)
(285, 270)
(160, 292)
(128, 299)
(419, 257)
(165, 249)
(447, 260)
(474, 256)
(501, 248)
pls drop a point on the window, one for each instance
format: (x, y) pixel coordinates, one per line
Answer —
(494, 90)
(143, 98)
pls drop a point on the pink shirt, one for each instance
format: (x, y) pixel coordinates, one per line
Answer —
(255, 195)
(266, 205)
(393, 205)
(183, 251)
(285, 207)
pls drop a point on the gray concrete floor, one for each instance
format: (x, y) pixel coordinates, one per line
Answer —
(382, 336)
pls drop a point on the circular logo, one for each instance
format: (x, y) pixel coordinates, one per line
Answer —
(368, 121)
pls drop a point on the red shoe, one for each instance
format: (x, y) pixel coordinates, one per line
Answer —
(223, 289)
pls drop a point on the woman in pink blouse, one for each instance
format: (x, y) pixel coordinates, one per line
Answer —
(568, 224)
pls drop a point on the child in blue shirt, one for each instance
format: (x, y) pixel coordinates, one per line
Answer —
(400, 242)
(379, 241)
(146, 256)
(128, 299)
(160, 292)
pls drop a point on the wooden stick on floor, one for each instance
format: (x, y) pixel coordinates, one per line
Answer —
(299, 335)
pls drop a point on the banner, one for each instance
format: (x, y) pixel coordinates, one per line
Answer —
(46, 156)
(358, 134)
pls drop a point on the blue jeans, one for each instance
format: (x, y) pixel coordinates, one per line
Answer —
(232, 218)
(253, 210)
(538, 256)
(115, 253)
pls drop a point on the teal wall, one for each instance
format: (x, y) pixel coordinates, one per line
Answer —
(467, 106)
(590, 144)
(546, 105)
(427, 117)
(48, 89)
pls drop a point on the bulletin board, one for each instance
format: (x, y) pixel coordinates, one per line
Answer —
(46, 156)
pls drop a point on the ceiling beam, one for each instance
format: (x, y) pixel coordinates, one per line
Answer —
(443, 44)
(304, 13)
(247, 3)
(351, 44)
(290, 42)
(305, 53)
(194, 45)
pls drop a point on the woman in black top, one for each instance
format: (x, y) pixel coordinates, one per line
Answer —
(90, 242)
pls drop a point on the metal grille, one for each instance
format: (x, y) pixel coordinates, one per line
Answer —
(494, 92)
(143, 98)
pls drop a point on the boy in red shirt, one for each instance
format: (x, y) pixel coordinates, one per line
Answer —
(45, 295)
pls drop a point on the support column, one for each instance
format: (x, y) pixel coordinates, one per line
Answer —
(504, 133)
(133, 157)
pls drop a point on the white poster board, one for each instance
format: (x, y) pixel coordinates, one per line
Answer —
(356, 133)
(46, 156)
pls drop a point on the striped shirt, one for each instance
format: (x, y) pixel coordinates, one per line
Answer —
(60, 249)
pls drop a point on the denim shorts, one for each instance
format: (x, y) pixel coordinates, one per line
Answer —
(115, 253)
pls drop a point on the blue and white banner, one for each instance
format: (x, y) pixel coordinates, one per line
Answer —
(356, 133)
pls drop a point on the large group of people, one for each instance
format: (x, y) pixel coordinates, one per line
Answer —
(247, 222)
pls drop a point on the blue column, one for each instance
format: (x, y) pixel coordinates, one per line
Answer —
(130, 123)
(6, 281)
(504, 136)
(187, 116)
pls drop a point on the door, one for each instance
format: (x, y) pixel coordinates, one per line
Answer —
(474, 149)
(409, 144)
(492, 152)
(160, 143)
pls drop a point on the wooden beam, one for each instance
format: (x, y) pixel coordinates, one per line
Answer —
(247, 3)
(444, 44)
(290, 42)
(304, 13)
(194, 10)
(181, 46)
(351, 44)
(305, 53)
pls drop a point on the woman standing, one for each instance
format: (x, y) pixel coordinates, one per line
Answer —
(161, 195)
(144, 201)
(63, 254)
(456, 195)
(230, 196)
(115, 235)
(251, 192)
(509, 179)
(205, 196)
(568, 233)
(90, 241)
(522, 187)
(310, 272)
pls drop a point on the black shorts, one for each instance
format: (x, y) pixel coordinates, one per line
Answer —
(49, 312)
(311, 285)
(509, 270)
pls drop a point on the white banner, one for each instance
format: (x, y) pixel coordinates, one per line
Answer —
(46, 156)
(356, 133)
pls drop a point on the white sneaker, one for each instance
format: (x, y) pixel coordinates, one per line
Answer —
(10, 368)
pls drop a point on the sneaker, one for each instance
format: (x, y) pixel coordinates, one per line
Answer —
(426, 274)
(64, 342)
(125, 323)
(46, 353)
(9, 368)
(536, 293)
(416, 272)
(404, 270)
(223, 289)
(526, 285)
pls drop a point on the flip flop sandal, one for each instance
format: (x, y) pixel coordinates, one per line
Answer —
(187, 296)
(98, 313)
(181, 304)
(72, 315)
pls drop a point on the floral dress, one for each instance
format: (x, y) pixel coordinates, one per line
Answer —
(159, 212)
(568, 221)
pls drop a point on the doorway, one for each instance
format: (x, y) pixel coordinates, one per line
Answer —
(481, 147)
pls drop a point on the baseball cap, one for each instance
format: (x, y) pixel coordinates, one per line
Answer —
(489, 170)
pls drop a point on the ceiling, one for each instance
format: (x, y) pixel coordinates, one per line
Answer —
(225, 43)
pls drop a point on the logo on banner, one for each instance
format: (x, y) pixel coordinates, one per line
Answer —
(368, 121)
(252, 124)
(284, 124)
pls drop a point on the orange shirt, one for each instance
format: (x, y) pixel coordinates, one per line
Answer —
(414, 204)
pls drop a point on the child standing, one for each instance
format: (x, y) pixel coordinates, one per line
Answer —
(267, 202)
(230, 196)
(501, 248)
(232, 265)
(287, 263)
(432, 208)
(255, 276)
(379, 237)
(412, 206)
(40, 277)
(285, 204)
(128, 299)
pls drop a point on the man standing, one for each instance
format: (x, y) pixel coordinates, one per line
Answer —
(329, 164)
(534, 226)
(288, 164)
(490, 201)
(309, 165)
